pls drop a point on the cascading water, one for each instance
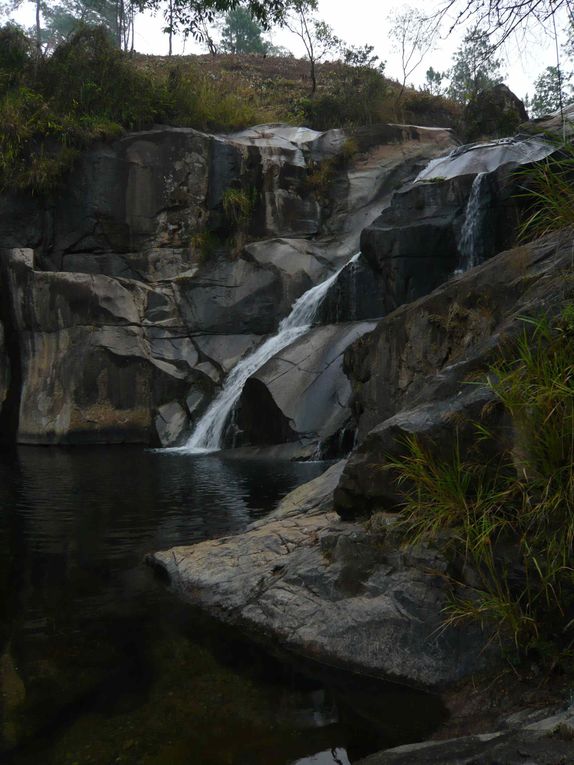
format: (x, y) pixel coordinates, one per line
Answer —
(474, 242)
(208, 433)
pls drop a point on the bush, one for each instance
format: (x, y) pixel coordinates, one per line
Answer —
(513, 519)
(15, 56)
(356, 96)
(88, 76)
(548, 191)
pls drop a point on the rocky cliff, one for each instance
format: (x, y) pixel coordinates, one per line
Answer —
(333, 588)
(169, 256)
(169, 262)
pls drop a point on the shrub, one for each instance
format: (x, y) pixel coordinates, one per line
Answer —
(513, 519)
(88, 76)
(15, 53)
(237, 206)
(548, 191)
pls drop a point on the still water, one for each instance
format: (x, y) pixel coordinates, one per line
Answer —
(100, 663)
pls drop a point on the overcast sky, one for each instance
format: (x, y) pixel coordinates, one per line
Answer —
(366, 21)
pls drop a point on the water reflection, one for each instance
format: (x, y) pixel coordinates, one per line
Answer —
(100, 664)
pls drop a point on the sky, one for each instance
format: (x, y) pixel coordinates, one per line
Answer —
(363, 22)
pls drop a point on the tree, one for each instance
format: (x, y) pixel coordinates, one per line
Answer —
(413, 36)
(475, 67)
(9, 6)
(551, 91)
(191, 16)
(499, 18)
(433, 82)
(241, 33)
(317, 37)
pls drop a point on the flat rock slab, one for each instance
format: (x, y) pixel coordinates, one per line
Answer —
(547, 742)
(330, 591)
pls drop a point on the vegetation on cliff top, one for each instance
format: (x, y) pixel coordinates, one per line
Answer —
(53, 107)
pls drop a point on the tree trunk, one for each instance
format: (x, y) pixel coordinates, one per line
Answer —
(313, 77)
(170, 27)
(38, 32)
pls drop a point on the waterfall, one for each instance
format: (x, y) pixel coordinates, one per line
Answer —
(474, 241)
(208, 432)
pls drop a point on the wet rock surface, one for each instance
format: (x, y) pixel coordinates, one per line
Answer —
(411, 373)
(330, 591)
(547, 741)
(170, 255)
(302, 393)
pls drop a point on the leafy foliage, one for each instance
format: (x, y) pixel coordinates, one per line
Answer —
(552, 90)
(241, 33)
(89, 90)
(548, 190)
(512, 519)
(434, 80)
(475, 67)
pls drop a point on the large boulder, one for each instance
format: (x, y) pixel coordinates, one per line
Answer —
(84, 366)
(302, 393)
(331, 591)
(462, 209)
(493, 113)
(413, 373)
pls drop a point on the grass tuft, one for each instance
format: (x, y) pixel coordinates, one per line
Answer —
(511, 520)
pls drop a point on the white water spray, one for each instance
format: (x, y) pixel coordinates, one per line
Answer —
(471, 246)
(208, 433)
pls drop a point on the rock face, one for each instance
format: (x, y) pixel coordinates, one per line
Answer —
(461, 210)
(302, 393)
(410, 375)
(546, 741)
(329, 590)
(493, 113)
(169, 256)
(87, 373)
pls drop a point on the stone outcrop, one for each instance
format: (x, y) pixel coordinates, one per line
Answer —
(412, 373)
(302, 393)
(169, 256)
(331, 591)
(87, 369)
(493, 113)
(442, 223)
(545, 741)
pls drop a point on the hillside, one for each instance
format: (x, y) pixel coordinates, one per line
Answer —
(87, 91)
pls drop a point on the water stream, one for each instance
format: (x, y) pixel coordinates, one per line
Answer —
(208, 433)
(473, 242)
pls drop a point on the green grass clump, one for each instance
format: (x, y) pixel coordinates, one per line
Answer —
(548, 191)
(87, 90)
(237, 206)
(511, 519)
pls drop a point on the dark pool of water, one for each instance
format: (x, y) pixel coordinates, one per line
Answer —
(99, 663)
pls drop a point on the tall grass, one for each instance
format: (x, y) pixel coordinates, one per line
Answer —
(548, 190)
(510, 519)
